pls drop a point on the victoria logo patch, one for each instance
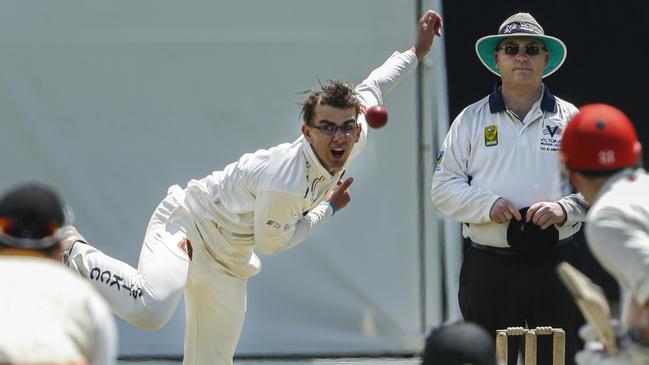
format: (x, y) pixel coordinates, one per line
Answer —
(550, 139)
(551, 131)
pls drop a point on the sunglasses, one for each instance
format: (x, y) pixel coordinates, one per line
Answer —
(530, 49)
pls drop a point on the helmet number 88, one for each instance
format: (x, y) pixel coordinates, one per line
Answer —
(606, 157)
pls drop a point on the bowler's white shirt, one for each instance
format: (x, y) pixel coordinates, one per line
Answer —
(270, 200)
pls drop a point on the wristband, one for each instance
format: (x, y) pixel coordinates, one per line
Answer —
(68, 252)
(332, 205)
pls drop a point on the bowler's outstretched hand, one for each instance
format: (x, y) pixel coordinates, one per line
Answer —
(430, 25)
(340, 197)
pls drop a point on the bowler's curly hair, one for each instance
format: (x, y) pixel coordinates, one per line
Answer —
(335, 93)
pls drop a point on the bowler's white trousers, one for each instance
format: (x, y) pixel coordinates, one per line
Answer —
(215, 302)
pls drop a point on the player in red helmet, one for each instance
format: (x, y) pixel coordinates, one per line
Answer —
(599, 141)
(601, 151)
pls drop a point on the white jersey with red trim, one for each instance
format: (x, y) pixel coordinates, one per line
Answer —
(51, 315)
(270, 200)
(617, 230)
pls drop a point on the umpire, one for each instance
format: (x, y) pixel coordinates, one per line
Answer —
(498, 173)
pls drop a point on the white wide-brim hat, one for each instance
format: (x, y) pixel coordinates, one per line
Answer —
(521, 25)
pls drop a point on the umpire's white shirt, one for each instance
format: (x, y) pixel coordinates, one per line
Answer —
(270, 200)
(489, 153)
(51, 315)
(617, 230)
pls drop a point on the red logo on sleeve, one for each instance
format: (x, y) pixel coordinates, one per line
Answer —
(186, 246)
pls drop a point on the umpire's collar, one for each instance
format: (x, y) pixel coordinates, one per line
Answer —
(497, 104)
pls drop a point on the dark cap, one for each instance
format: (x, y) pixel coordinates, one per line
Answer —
(459, 343)
(529, 239)
(30, 215)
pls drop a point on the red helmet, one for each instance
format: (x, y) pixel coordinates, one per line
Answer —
(600, 138)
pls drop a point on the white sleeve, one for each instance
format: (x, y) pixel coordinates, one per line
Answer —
(385, 78)
(105, 348)
(451, 192)
(576, 208)
(622, 248)
(380, 82)
(279, 224)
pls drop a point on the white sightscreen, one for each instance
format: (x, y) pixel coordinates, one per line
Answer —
(111, 102)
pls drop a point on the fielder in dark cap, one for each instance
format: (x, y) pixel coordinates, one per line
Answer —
(30, 216)
(460, 343)
(48, 314)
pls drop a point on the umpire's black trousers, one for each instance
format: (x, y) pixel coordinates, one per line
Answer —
(499, 291)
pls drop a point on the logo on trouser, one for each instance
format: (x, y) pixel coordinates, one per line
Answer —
(186, 246)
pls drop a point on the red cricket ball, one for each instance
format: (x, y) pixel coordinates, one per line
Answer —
(376, 116)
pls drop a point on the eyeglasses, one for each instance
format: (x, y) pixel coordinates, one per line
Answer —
(330, 129)
(530, 49)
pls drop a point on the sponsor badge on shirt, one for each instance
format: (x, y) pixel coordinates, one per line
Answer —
(550, 137)
(438, 161)
(491, 135)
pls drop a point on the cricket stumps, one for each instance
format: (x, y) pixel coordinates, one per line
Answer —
(558, 343)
